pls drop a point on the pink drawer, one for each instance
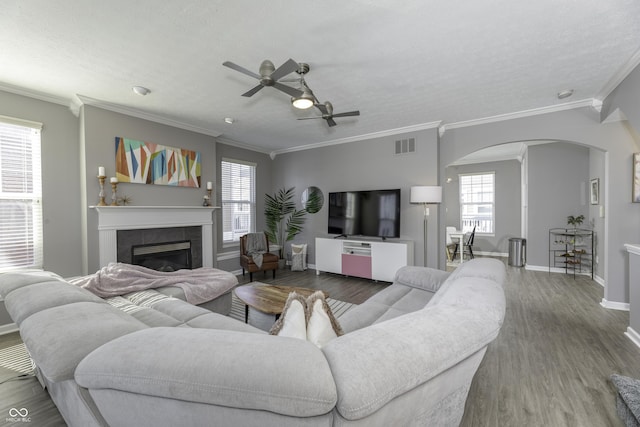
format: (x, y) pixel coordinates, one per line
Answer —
(356, 265)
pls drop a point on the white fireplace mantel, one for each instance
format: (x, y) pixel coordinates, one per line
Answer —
(114, 218)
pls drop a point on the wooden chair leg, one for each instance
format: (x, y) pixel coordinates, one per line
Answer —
(250, 276)
(274, 273)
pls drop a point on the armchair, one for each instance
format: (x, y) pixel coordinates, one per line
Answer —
(269, 260)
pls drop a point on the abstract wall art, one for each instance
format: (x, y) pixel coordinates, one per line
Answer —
(149, 163)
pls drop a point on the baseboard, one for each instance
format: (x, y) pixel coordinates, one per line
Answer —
(622, 306)
(558, 270)
(8, 328)
(227, 255)
(537, 268)
(633, 336)
(491, 254)
(599, 280)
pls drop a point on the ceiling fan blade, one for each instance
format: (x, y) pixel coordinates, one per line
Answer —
(322, 108)
(241, 69)
(253, 91)
(331, 122)
(347, 114)
(287, 68)
(309, 118)
(296, 93)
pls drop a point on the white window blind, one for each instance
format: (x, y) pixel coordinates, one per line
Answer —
(477, 202)
(20, 195)
(238, 199)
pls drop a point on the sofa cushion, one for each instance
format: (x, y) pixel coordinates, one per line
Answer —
(476, 270)
(44, 295)
(59, 338)
(425, 278)
(391, 302)
(251, 371)
(13, 280)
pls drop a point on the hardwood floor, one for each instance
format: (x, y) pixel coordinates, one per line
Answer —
(548, 367)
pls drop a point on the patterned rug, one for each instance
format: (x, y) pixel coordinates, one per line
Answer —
(14, 361)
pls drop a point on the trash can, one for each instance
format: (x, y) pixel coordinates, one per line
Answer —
(517, 254)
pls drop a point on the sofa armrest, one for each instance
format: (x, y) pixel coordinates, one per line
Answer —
(232, 369)
(425, 278)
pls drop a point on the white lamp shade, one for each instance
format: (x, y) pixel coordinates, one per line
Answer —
(426, 194)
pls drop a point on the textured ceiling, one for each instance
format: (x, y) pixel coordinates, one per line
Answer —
(404, 65)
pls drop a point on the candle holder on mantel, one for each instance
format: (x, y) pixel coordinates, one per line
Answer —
(101, 194)
(209, 190)
(114, 194)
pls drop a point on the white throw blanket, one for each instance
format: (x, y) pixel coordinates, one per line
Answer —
(199, 285)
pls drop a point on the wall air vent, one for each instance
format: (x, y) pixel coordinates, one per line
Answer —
(405, 146)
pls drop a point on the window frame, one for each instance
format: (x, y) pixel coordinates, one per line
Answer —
(25, 173)
(225, 202)
(492, 202)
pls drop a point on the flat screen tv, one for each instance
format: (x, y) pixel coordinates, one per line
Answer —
(374, 213)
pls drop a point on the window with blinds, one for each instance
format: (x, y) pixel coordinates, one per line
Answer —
(477, 202)
(238, 199)
(20, 195)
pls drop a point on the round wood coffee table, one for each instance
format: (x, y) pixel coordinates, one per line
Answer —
(269, 299)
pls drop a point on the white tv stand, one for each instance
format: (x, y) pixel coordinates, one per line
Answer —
(370, 259)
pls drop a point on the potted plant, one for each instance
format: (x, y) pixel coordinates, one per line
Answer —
(283, 220)
(575, 220)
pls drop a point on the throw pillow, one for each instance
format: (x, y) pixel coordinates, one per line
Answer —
(293, 320)
(322, 326)
(310, 319)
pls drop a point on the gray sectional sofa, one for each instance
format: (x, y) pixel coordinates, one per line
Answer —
(408, 356)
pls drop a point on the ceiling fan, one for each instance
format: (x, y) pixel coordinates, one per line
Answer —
(327, 113)
(269, 76)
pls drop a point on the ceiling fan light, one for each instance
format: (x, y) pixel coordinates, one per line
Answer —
(302, 103)
(306, 100)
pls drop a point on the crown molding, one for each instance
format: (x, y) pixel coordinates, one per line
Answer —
(619, 76)
(34, 94)
(85, 100)
(380, 134)
(590, 102)
(234, 143)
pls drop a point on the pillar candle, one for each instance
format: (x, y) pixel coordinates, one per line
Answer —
(209, 185)
(114, 180)
(101, 171)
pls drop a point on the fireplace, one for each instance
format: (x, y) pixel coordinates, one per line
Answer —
(169, 256)
(141, 245)
(158, 224)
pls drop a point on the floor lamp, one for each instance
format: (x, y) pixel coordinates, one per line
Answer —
(425, 195)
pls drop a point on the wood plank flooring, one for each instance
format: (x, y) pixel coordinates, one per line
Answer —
(548, 367)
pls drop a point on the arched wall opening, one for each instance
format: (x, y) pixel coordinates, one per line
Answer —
(579, 126)
(553, 177)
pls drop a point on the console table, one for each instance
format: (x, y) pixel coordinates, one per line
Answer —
(369, 259)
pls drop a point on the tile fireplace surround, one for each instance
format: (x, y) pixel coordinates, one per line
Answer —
(114, 218)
